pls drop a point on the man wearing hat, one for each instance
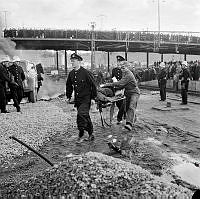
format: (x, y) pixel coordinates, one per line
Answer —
(82, 82)
(18, 74)
(162, 81)
(131, 91)
(40, 73)
(4, 78)
(184, 77)
(117, 73)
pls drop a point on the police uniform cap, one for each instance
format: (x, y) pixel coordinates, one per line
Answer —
(120, 58)
(5, 59)
(75, 56)
(184, 63)
(16, 59)
(162, 64)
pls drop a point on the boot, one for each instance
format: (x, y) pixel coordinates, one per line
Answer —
(80, 136)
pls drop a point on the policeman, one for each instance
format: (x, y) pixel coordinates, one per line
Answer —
(162, 81)
(82, 82)
(18, 74)
(184, 77)
(131, 91)
(117, 73)
(4, 78)
(40, 78)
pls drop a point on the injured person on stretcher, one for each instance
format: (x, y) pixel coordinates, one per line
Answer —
(107, 96)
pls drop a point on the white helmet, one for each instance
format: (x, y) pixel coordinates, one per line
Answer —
(16, 58)
(184, 63)
(162, 65)
(5, 59)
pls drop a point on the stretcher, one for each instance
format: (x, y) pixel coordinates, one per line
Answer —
(110, 103)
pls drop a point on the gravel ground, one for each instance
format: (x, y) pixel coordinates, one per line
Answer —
(94, 175)
(37, 123)
(150, 145)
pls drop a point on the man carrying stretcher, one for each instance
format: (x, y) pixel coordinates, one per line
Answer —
(131, 92)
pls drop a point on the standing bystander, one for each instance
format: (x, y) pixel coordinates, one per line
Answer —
(5, 78)
(184, 77)
(162, 81)
(40, 71)
(17, 92)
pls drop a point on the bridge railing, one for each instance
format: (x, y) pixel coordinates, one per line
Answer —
(153, 36)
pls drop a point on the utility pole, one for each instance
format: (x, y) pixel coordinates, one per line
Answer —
(102, 17)
(5, 18)
(1, 27)
(158, 23)
(127, 45)
(157, 40)
(93, 24)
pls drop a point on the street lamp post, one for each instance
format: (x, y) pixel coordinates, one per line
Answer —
(93, 24)
(5, 17)
(1, 22)
(102, 17)
(158, 23)
(157, 41)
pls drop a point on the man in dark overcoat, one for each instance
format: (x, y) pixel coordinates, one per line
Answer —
(184, 76)
(162, 81)
(82, 82)
(5, 79)
(17, 92)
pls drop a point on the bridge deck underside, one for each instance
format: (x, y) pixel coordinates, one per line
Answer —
(106, 45)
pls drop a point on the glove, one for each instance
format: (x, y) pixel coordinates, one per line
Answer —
(114, 79)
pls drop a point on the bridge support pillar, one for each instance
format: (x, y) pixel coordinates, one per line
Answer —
(185, 57)
(147, 59)
(108, 61)
(65, 62)
(162, 57)
(56, 59)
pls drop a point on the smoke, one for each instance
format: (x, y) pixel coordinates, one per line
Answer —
(51, 88)
(8, 47)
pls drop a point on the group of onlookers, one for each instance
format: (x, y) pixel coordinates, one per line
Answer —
(109, 35)
(182, 74)
(12, 76)
(174, 67)
(151, 73)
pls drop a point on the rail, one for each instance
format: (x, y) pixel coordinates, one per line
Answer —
(152, 36)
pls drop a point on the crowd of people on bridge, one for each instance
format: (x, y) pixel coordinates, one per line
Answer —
(104, 35)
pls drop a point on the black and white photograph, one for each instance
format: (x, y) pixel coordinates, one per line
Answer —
(99, 99)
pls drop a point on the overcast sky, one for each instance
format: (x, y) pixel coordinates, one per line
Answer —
(175, 15)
